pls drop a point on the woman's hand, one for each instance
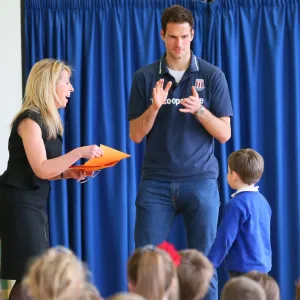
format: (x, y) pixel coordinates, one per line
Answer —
(91, 151)
(76, 174)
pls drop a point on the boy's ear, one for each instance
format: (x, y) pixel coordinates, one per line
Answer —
(235, 175)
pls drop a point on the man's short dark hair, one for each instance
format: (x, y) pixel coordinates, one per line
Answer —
(176, 14)
(248, 164)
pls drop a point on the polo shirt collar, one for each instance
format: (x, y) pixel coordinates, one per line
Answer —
(163, 68)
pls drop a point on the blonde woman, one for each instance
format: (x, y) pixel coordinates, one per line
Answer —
(58, 274)
(35, 157)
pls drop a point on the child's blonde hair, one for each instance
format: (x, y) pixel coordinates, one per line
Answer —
(56, 274)
(243, 288)
(194, 274)
(268, 283)
(153, 274)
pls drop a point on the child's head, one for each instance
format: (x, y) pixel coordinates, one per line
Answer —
(126, 296)
(269, 285)
(152, 274)
(194, 274)
(56, 274)
(245, 165)
(242, 288)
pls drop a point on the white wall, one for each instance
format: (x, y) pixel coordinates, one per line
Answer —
(10, 71)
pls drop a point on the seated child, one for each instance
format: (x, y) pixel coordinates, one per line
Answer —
(194, 274)
(242, 288)
(152, 274)
(268, 283)
(58, 274)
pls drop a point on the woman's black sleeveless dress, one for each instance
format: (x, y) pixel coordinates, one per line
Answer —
(24, 231)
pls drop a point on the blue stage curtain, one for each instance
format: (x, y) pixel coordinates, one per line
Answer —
(255, 42)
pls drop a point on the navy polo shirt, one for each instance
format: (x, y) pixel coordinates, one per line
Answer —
(178, 147)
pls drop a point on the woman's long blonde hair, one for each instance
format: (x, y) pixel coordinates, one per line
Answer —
(40, 94)
(56, 275)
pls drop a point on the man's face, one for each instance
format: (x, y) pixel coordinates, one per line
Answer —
(177, 38)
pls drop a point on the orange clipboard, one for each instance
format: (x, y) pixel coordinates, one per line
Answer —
(109, 159)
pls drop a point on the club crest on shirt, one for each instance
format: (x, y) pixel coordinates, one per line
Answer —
(199, 84)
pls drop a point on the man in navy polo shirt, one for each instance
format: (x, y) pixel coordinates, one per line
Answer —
(180, 103)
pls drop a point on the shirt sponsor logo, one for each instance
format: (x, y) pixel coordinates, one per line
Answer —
(170, 101)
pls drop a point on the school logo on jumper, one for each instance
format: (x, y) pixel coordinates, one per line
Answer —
(199, 84)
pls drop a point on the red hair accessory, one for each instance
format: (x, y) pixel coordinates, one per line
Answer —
(170, 249)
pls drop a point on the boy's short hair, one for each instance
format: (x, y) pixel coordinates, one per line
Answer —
(194, 274)
(126, 296)
(176, 14)
(242, 288)
(248, 164)
(268, 283)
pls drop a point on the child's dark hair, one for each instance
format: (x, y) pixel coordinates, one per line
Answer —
(176, 14)
(248, 164)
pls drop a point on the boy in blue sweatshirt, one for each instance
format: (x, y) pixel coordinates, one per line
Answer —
(243, 237)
